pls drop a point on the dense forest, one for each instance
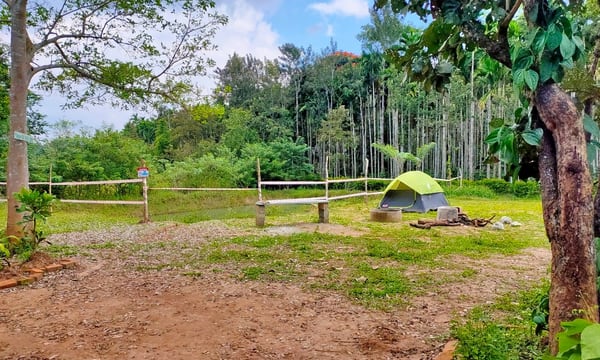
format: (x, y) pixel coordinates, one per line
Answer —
(300, 113)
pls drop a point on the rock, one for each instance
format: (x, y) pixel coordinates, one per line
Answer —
(498, 226)
(515, 223)
(449, 213)
(505, 220)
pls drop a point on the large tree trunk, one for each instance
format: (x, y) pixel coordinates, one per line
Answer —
(568, 210)
(17, 168)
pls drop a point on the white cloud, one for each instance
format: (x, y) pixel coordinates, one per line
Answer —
(330, 31)
(356, 8)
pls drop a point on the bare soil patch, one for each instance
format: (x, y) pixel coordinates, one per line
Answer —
(102, 309)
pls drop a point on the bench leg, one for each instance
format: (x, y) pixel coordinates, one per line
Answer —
(324, 213)
(260, 215)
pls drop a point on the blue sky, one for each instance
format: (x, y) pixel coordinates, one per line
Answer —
(256, 27)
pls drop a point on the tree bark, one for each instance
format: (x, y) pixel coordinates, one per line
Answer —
(17, 168)
(568, 210)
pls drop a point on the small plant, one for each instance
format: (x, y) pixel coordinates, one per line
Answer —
(4, 254)
(36, 207)
(580, 339)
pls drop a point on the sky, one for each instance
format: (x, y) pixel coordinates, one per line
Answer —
(256, 27)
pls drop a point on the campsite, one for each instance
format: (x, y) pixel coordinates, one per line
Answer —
(225, 288)
(426, 190)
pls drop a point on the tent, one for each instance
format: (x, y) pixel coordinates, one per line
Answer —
(413, 191)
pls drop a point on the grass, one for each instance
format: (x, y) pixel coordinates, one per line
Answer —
(370, 268)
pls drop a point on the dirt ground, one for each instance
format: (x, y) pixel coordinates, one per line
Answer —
(102, 310)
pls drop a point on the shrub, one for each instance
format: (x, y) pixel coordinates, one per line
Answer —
(36, 207)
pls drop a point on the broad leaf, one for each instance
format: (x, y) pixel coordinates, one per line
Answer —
(590, 342)
(492, 137)
(547, 67)
(496, 123)
(533, 137)
(579, 43)
(592, 150)
(531, 79)
(566, 343)
(567, 47)
(539, 41)
(575, 327)
(591, 126)
(554, 37)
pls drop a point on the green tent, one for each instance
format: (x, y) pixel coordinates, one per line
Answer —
(413, 191)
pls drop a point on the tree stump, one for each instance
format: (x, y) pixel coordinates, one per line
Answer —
(386, 215)
(449, 213)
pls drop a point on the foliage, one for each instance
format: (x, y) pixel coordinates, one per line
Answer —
(580, 339)
(36, 208)
(279, 160)
(4, 252)
(205, 172)
(501, 330)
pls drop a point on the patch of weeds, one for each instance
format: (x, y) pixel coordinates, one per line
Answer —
(504, 330)
(100, 246)
(379, 287)
(253, 272)
(385, 249)
(277, 270)
(260, 242)
(467, 273)
(223, 255)
(155, 267)
(62, 250)
(193, 274)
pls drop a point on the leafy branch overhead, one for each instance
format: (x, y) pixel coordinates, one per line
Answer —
(458, 28)
(84, 43)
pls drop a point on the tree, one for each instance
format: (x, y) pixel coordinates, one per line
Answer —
(89, 49)
(538, 61)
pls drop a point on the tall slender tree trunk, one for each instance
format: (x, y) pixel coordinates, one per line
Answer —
(568, 210)
(444, 142)
(17, 167)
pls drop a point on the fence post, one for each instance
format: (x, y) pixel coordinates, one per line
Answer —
(145, 192)
(258, 177)
(366, 173)
(327, 177)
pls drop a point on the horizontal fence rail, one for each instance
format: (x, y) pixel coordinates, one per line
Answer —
(321, 200)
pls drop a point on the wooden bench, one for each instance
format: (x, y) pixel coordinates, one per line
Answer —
(323, 206)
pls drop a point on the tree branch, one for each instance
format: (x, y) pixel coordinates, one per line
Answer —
(497, 49)
(511, 14)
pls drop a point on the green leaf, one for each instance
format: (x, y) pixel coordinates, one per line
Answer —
(451, 11)
(575, 327)
(554, 37)
(531, 79)
(523, 59)
(492, 137)
(539, 41)
(567, 47)
(567, 63)
(592, 150)
(539, 319)
(444, 67)
(591, 126)
(533, 137)
(547, 67)
(579, 43)
(519, 78)
(496, 123)
(566, 343)
(590, 342)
